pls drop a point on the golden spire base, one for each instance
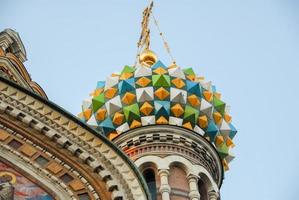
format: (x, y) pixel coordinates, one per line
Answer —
(147, 58)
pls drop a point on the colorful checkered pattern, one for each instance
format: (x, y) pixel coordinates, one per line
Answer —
(144, 96)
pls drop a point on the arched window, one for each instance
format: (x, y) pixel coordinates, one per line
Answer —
(202, 189)
(149, 176)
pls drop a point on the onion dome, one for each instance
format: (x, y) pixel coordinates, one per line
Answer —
(154, 94)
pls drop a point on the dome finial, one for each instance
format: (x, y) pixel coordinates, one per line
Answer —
(146, 57)
(144, 40)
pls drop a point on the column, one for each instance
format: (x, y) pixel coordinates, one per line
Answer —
(193, 188)
(164, 187)
(213, 195)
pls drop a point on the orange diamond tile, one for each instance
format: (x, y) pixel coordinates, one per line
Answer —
(87, 114)
(110, 93)
(227, 118)
(229, 142)
(113, 135)
(208, 95)
(188, 125)
(219, 140)
(97, 92)
(178, 83)
(161, 93)
(162, 120)
(193, 100)
(160, 70)
(126, 75)
(177, 110)
(118, 118)
(191, 77)
(203, 121)
(143, 81)
(135, 124)
(128, 98)
(146, 108)
(217, 117)
(101, 114)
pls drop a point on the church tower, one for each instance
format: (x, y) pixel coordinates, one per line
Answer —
(169, 121)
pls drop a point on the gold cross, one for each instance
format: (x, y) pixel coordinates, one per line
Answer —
(144, 40)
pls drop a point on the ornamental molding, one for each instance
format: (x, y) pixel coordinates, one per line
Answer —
(52, 158)
(166, 140)
(10, 39)
(12, 69)
(164, 164)
(96, 152)
(8, 70)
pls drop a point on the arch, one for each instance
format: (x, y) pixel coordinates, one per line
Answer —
(160, 163)
(150, 179)
(208, 184)
(54, 188)
(166, 162)
(178, 181)
(149, 170)
(110, 165)
(181, 165)
(202, 189)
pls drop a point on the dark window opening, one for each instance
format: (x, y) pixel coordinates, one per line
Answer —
(202, 189)
(149, 176)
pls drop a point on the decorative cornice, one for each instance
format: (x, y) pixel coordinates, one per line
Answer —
(115, 168)
(12, 56)
(32, 147)
(11, 41)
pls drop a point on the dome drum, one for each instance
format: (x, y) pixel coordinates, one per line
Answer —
(169, 140)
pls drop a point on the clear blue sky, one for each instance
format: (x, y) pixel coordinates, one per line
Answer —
(249, 49)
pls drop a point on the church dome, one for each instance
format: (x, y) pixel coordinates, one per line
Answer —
(160, 95)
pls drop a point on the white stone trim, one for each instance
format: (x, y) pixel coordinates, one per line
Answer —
(93, 150)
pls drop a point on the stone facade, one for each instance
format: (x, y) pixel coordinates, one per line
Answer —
(180, 159)
(51, 147)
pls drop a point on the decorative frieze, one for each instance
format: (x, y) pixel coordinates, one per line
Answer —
(70, 136)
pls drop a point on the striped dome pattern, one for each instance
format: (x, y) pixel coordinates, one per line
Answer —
(156, 95)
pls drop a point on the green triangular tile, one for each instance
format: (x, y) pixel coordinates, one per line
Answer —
(219, 105)
(189, 71)
(98, 102)
(127, 69)
(161, 81)
(222, 151)
(191, 114)
(131, 112)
